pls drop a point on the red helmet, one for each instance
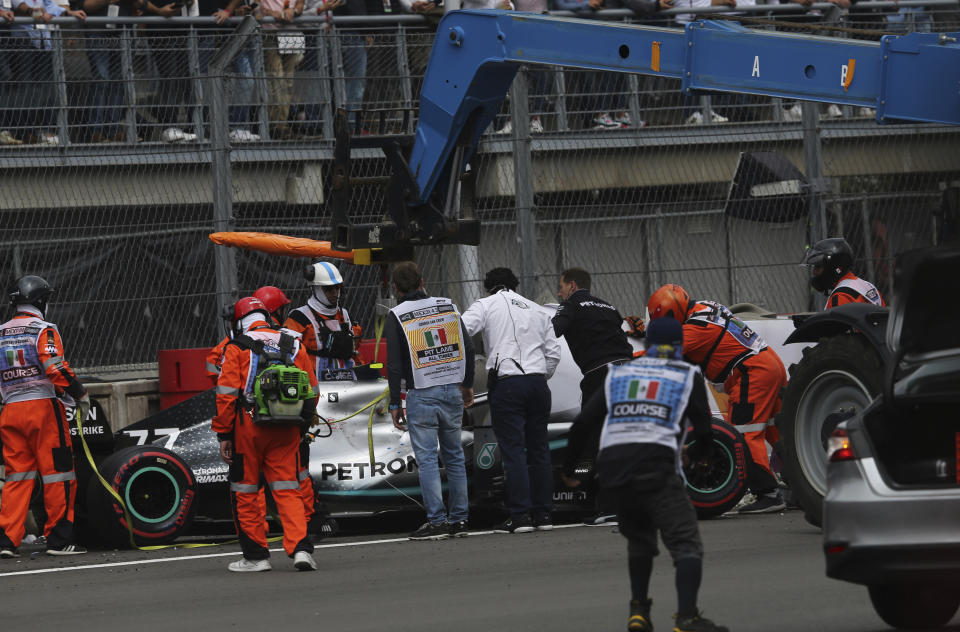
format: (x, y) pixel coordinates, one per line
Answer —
(670, 300)
(247, 306)
(272, 297)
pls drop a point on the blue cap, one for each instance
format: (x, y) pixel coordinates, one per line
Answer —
(664, 331)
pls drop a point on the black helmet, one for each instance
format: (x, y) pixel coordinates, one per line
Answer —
(30, 290)
(830, 260)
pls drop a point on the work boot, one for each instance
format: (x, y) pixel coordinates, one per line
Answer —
(695, 623)
(639, 620)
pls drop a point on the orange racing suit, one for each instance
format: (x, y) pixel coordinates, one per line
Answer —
(728, 351)
(852, 289)
(33, 427)
(272, 450)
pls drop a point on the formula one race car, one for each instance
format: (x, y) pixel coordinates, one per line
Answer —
(167, 470)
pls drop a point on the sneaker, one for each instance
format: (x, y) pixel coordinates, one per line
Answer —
(536, 127)
(68, 549)
(458, 529)
(6, 138)
(439, 531)
(748, 499)
(520, 525)
(833, 111)
(695, 119)
(303, 561)
(696, 623)
(174, 135)
(243, 136)
(604, 121)
(601, 519)
(718, 118)
(7, 554)
(793, 114)
(639, 620)
(48, 139)
(765, 503)
(543, 523)
(506, 129)
(867, 112)
(623, 119)
(243, 565)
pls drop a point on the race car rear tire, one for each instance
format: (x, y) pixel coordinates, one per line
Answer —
(158, 488)
(838, 374)
(717, 485)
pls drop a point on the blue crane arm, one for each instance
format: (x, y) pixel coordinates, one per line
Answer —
(476, 54)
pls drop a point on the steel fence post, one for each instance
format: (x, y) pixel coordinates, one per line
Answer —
(523, 184)
(193, 59)
(406, 82)
(60, 81)
(323, 61)
(129, 86)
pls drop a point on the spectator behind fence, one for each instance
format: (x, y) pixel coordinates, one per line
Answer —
(353, 53)
(241, 66)
(604, 94)
(6, 80)
(283, 50)
(538, 80)
(31, 66)
(104, 99)
(168, 48)
(316, 69)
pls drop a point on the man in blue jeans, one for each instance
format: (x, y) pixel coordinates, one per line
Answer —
(428, 348)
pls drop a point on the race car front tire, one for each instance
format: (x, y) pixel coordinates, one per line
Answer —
(158, 489)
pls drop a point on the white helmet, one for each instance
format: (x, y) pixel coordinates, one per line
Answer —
(322, 273)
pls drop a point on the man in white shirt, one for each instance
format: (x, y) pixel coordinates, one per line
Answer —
(522, 353)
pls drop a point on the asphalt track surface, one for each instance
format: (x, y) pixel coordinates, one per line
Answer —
(762, 573)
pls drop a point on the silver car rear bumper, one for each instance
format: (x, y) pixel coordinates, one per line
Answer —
(874, 533)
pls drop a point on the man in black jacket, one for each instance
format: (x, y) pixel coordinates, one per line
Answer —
(642, 413)
(593, 329)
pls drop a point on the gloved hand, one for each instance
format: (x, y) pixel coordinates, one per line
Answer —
(637, 327)
(701, 449)
(83, 407)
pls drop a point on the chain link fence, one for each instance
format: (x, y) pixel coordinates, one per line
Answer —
(124, 143)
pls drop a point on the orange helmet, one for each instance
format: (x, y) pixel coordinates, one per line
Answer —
(670, 300)
(272, 297)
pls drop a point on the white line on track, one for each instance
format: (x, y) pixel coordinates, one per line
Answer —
(185, 558)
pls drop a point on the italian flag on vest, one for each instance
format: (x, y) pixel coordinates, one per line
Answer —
(15, 357)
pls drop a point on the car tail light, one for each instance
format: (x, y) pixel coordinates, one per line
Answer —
(839, 447)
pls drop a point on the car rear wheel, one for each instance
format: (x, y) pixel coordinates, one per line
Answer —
(156, 486)
(914, 605)
(717, 485)
(838, 375)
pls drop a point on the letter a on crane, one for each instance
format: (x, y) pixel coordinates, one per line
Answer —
(756, 66)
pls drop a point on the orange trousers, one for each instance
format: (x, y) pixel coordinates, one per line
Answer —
(273, 452)
(36, 445)
(754, 390)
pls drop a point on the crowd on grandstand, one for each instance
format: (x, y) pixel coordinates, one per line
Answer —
(130, 82)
